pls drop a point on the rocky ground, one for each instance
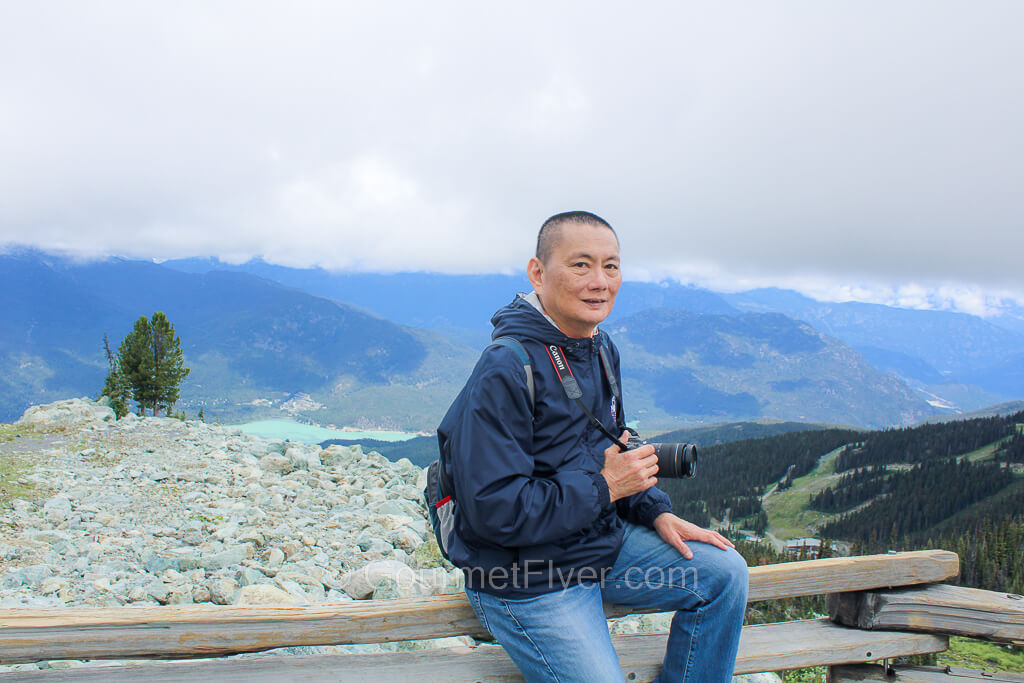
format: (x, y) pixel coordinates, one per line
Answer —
(102, 512)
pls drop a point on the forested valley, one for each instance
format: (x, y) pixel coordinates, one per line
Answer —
(956, 485)
(732, 477)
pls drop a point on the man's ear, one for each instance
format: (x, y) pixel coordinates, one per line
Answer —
(535, 271)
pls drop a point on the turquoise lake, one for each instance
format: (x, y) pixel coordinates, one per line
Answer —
(294, 431)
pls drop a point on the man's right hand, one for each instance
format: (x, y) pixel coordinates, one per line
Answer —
(629, 472)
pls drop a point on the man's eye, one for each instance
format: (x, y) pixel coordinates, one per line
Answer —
(612, 266)
(579, 264)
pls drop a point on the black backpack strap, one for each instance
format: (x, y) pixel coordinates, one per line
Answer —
(609, 371)
(517, 347)
(445, 486)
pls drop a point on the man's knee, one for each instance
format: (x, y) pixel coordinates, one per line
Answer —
(735, 576)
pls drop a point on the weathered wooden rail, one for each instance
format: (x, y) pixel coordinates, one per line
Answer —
(869, 622)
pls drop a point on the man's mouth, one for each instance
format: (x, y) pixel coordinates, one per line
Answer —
(595, 301)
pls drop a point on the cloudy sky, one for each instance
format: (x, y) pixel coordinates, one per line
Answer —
(872, 150)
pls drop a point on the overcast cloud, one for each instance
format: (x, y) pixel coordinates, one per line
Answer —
(868, 150)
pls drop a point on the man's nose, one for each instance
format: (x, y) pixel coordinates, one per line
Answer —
(598, 279)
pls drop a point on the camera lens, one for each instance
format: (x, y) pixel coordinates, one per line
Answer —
(676, 460)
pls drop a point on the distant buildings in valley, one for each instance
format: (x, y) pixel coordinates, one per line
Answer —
(810, 547)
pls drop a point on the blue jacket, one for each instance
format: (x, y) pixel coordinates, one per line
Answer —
(533, 511)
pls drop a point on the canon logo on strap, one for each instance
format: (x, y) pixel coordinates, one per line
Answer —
(556, 355)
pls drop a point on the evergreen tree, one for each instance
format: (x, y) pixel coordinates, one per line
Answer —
(153, 364)
(136, 360)
(168, 362)
(116, 384)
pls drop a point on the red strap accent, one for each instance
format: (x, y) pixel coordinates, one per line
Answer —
(555, 365)
(441, 502)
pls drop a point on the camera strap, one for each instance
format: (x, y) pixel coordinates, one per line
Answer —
(574, 392)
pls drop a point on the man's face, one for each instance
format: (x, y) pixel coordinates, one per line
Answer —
(578, 284)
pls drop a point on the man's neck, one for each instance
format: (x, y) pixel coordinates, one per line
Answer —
(535, 301)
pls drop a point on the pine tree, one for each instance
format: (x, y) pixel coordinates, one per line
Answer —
(116, 384)
(153, 364)
(136, 360)
(168, 361)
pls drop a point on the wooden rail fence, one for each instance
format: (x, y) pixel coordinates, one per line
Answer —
(881, 606)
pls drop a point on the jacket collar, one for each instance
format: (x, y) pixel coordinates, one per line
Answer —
(524, 318)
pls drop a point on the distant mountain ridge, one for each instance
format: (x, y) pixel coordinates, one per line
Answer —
(252, 344)
(786, 369)
(956, 361)
(259, 346)
(954, 358)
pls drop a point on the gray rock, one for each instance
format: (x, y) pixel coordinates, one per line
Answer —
(251, 536)
(31, 576)
(376, 545)
(56, 586)
(65, 414)
(298, 591)
(389, 588)
(226, 531)
(201, 594)
(222, 590)
(245, 458)
(303, 458)
(213, 561)
(334, 595)
(658, 621)
(247, 576)
(439, 581)
(159, 591)
(261, 447)
(334, 456)
(180, 595)
(57, 509)
(264, 594)
(361, 583)
(275, 557)
(391, 507)
(405, 538)
(154, 563)
(276, 463)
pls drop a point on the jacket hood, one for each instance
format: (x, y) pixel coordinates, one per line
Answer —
(524, 319)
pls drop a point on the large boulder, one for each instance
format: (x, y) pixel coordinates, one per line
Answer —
(57, 509)
(361, 583)
(336, 456)
(222, 590)
(72, 412)
(275, 462)
(304, 457)
(265, 594)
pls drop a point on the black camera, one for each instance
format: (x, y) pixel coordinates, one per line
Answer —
(675, 460)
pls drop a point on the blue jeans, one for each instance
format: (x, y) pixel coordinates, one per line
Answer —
(563, 635)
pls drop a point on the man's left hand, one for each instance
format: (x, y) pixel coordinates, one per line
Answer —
(676, 531)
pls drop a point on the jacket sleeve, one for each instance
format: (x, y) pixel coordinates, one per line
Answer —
(501, 500)
(644, 507)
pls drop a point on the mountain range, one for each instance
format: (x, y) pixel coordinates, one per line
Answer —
(391, 350)
(955, 361)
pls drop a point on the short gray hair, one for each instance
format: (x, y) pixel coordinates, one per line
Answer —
(551, 231)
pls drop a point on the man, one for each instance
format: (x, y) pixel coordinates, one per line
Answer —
(551, 521)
